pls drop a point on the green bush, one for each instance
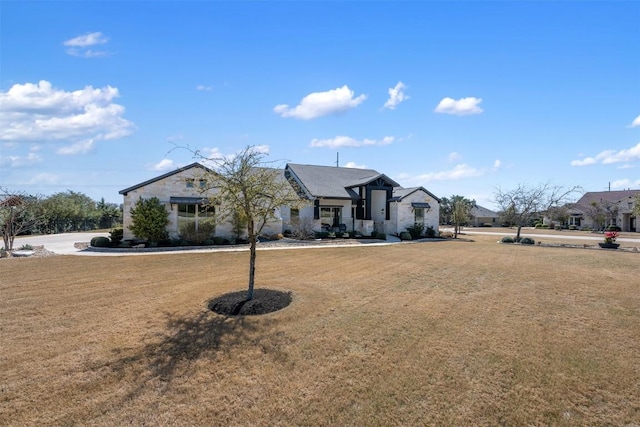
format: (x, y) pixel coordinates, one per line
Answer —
(527, 241)
(218, 240)
(116, 235)
(507, 240)
(573, 227)
(149, 220)
(26, 248)
(100, 242)
(205, 229)
(430, 232)
(416, 230)
(381, 236)
(405, 235)
(557, 227)
(321, 234)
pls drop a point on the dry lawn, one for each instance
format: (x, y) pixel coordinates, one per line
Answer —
(447, 333)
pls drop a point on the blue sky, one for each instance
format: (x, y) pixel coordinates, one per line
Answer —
(459, 97)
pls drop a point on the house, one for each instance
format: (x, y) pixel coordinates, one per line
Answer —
(346, 199)
(613, 207)
(361, 200)
(483, 217)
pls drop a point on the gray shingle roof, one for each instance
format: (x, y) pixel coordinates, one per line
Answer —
(334, 182)
(603, 196)
(400, 193)
(482, 212)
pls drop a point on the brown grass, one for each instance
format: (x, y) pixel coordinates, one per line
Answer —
(446, 333)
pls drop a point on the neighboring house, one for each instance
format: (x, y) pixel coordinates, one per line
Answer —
(617, 205)
(483, 217)
(361, 200)
(347, 199)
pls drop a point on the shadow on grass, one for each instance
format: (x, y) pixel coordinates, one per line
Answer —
(206, 335)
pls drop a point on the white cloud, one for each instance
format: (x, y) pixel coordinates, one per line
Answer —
(454, 156)
(81, 147)
(204, 88)
(164, 165)
(346, 141)
(89, 39)
(607, 157)
(355, 166)
(460, 171)
(320, 104)
(396, 96)
(636, 122)
(625, 183)
(497, 165)
(44, 178)
(79, 46)
(461, 107)
(38, 112)
(30, 159)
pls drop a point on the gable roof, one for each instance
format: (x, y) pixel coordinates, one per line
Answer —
(334, 182)
(603, 196)
(482, 212)
(166, 175)
(400, 193)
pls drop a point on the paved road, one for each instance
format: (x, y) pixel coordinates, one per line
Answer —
(523, 233)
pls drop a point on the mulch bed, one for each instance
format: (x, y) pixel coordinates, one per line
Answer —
(264, 301)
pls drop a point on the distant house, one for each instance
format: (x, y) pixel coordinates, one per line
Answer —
(483, 217)
(340, 199)
(616, 205)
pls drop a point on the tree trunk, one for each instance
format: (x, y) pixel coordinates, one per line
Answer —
(518, 233)
(252, 259)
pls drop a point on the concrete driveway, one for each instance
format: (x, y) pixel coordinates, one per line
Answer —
(61, 244)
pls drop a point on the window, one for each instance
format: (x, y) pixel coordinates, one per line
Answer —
(418, 215)
(192, 215)
(191, 183)
(331, 216)
(294, 215)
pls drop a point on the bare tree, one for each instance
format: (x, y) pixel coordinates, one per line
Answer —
(246, 184)
(524, 202)
(19, 213)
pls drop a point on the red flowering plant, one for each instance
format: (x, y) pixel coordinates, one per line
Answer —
(610, 236)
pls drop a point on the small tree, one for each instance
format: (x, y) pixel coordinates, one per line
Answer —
(597, 214)
(635, 211)
(149, 220)
(524, 203)
(460, 212)
(244, 183)
(18, 213)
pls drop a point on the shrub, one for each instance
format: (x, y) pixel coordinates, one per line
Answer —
(527, 241)
(26, 248)
(430, 232)
(100, 242)
(205, 229)
(208, 242)
(276, 237)
(557, 227)
(507, 239)
(321, 234)
(149, 219)
(573, 227)
(544, 226)
(416, 230)
(381, 236)
(405, 235)
(613, 228)
(446, 235)
(116, 235)
(218, 240)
